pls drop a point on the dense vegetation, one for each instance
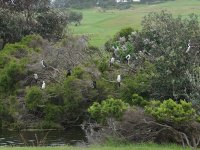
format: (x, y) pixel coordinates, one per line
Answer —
(143, 87)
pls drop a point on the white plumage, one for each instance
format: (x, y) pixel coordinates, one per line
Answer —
(112, 60)
(35, 76)
(119, 78)
(43, 63)
(128, 57)
(43, 85)
(188, 49)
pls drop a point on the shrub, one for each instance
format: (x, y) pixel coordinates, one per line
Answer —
(170, 111)
(123, 33)
(109, 108)
(72, 93)
(53, 112)
(34, 98)
(9, 77)
(103, 65)
(138, 100)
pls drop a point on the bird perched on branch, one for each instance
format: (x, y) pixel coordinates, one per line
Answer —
(69, 72)
(119, 79)
(112, 60)
(43, 63)
(43, 85)
(35, 77)
(189, 46)
(128, 57)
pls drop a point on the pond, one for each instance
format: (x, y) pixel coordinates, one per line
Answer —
(70, 136)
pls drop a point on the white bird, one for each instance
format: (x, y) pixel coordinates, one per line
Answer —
(118, 79)
(43, 85)
(124, 48)
(35, 77)
(112, 60)
(12, 1)
(43, 63)
(188, 49)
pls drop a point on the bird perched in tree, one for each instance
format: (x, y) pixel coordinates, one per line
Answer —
(115, 50)
(94, 83)
(43, 85)
(69, 72)
(35, 77)
(12, 1)
(189, 46)
(119, 79)
(43, 63)
(112, 60)
(128, 57)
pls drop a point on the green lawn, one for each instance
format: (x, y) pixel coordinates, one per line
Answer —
(128, 147)
(101, 26)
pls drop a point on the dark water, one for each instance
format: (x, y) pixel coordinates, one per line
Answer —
(71, 136)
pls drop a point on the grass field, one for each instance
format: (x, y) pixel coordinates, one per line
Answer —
(128, 147)
(101, 26)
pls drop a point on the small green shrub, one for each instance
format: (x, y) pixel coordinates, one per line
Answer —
(52, 112)
(138, 100)
(103, 65)
(34, 97)
(124, 32)
(72, 95)
(109, 108)
(78, 72)
(170, 111)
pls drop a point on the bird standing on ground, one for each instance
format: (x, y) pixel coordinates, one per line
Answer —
(119, 79)
(43, 85)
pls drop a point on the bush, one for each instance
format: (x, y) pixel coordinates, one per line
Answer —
(123, 33)
(103, 65)
(109, 108)
(170, 111)
(72, 94)
(138, 100)
(9, 77)
(34, 98)
(53, 113)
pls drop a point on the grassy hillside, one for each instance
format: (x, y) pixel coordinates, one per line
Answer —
(128, 147)
(103, 25)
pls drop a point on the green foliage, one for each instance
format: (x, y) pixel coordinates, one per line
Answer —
(53, 113)
(72, 95)
(34, 98)
(123, 33)
(109, 108)
(75, 17)
(9, 77)
(46, 24)
(170, 111)
(78, 72)
(138, 100)
(140, 83)
(103, 65)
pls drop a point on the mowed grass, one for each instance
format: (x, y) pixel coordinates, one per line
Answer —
(100, 26)
(122, 147)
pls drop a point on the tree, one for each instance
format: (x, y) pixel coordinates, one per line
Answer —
(75, 17)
